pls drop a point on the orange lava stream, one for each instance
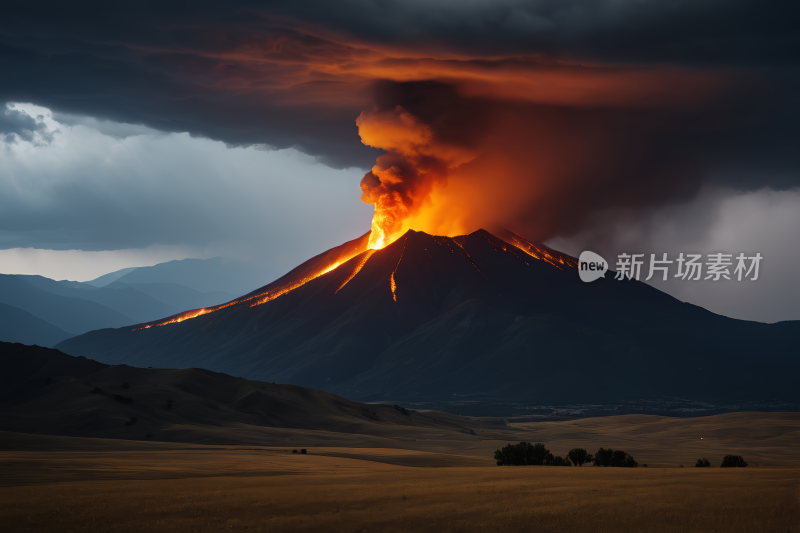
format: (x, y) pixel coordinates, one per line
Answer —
(392, 283)
(357, 269)
(187, 316)
(540, 254)
(280, 291)
(260, 298)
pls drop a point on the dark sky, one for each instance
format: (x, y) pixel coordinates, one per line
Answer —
(585, 120)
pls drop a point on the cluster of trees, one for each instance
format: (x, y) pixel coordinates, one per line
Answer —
(733, 460)
(526, 453)
(727, 462)
(611, 457)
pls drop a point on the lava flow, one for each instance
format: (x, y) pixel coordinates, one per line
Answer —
(298, 277)
(357, 269)
(334, 258)
(538, 251)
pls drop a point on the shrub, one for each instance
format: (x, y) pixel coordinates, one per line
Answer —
(578, 456)
(523, 453)
(621, 458)
(559, 461)
(733, 461)
(702, 463)
(294, 451)
(602, 457)
(609, 457)
(303, 450)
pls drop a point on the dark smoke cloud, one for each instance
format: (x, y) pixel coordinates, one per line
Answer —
(573, 107)
(549, 170)
(160, 64)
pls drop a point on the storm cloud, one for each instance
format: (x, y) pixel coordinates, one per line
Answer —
(582, 119)
(296, 74)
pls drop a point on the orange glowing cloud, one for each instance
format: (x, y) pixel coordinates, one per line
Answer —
(400, 182)
(529, 142)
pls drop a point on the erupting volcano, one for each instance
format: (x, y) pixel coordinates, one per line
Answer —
(403, 314)
(479, 316)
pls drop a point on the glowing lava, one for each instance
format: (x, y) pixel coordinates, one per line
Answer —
(357, 269)
(392, 282)
(280, 291)
(393, 286)
(366, 247)
(539, 251)
(298, 277)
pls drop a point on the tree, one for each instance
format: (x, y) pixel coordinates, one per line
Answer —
(733, 461)
(523, 453)
(578, 456)
(620, 458)
(603, 457)
(559, 461)
(703, 463)
(609, 457)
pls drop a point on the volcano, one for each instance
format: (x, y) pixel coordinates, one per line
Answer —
(479, 317)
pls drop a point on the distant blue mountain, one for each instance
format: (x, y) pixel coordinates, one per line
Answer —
(69, 313)
(111, 277)
(203, 275)
(127, 301)
(178, 296)
(44, 311)
(17, 325)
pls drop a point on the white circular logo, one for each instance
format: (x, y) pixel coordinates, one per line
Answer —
(591, 266)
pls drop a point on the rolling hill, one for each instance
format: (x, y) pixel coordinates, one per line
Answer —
(46, 392)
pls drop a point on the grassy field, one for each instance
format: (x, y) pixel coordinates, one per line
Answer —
(64, 484)
(253, 490)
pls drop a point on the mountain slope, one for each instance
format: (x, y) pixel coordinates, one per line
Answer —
(430, 317)
(17, 325)
(44, 391)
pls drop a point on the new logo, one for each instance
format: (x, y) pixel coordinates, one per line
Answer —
(591, 266)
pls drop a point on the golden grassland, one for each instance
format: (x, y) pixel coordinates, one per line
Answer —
(288, 492)
(96, 485)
